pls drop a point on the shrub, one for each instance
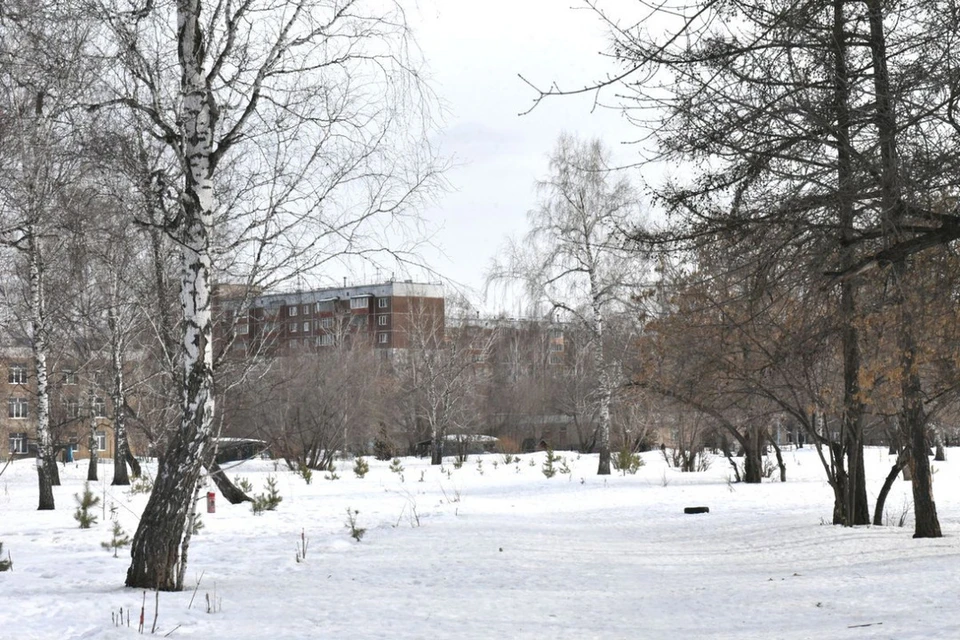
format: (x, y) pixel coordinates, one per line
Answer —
(360, 467)
(627, 461)
(84, 503)
(267, 501)
(396, 466)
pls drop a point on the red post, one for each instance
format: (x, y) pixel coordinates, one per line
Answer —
(211, 502)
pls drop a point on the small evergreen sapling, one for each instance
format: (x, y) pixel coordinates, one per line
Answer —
(267, 501)
(360, 467)
(355, 532)
(627, 461)
(119, 540)
(548, 468)
(396, 466)
(84, 504)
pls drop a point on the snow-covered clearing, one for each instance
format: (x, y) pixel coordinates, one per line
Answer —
(499, 551)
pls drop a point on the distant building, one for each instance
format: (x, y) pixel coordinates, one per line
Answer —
(380, 316)
(78, 399)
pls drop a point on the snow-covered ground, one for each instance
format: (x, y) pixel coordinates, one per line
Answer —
(492, 550)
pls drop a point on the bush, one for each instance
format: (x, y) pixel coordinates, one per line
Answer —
(396, 466)
(627, 461)
(84, 504)
(360, 467)
(243, 484)
(267, 501)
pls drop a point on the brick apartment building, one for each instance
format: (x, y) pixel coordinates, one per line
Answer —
(386, 317)
(77, 399)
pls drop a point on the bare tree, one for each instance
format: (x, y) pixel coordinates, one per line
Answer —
(294, 129)
(576, 257)
(43, 71)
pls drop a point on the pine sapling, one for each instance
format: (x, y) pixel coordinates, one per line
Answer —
(548, 468)
(396, 466)
(84, 504)
(360, 467)
(355, 532)
(267, 501)
(119, 540)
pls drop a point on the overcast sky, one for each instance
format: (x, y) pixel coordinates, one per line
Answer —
(474, 51)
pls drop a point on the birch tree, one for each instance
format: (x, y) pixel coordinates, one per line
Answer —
(297, 131)
(577, 257)
(44, 68)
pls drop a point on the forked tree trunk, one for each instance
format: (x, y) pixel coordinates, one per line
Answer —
(156, 550)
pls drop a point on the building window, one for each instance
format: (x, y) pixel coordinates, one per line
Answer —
(293, 327)
(326, 340)
(359, 321)
(556, 346)
(359, 303)
(325, 306)
(306, 327)
(382, 338)
(327, 323)
(17, 407)
(243, 329)
(382, 321)
(382, 303)
(99, 407)
(99, 378)
(18, 443)
(72, 407)
(69, 376)
(293, 310)
(556, 358)
(17, 374)
(101, 439)
(556, 334)
(306, 309)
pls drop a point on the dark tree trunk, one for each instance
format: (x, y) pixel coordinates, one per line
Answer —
(92, 445)
(780, 462)
(436, 450)
(895, 470)
(53, 470)
(135, 470)
(228, 490)
(752, 460)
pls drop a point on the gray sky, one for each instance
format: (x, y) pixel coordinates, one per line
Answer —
(474, 50)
